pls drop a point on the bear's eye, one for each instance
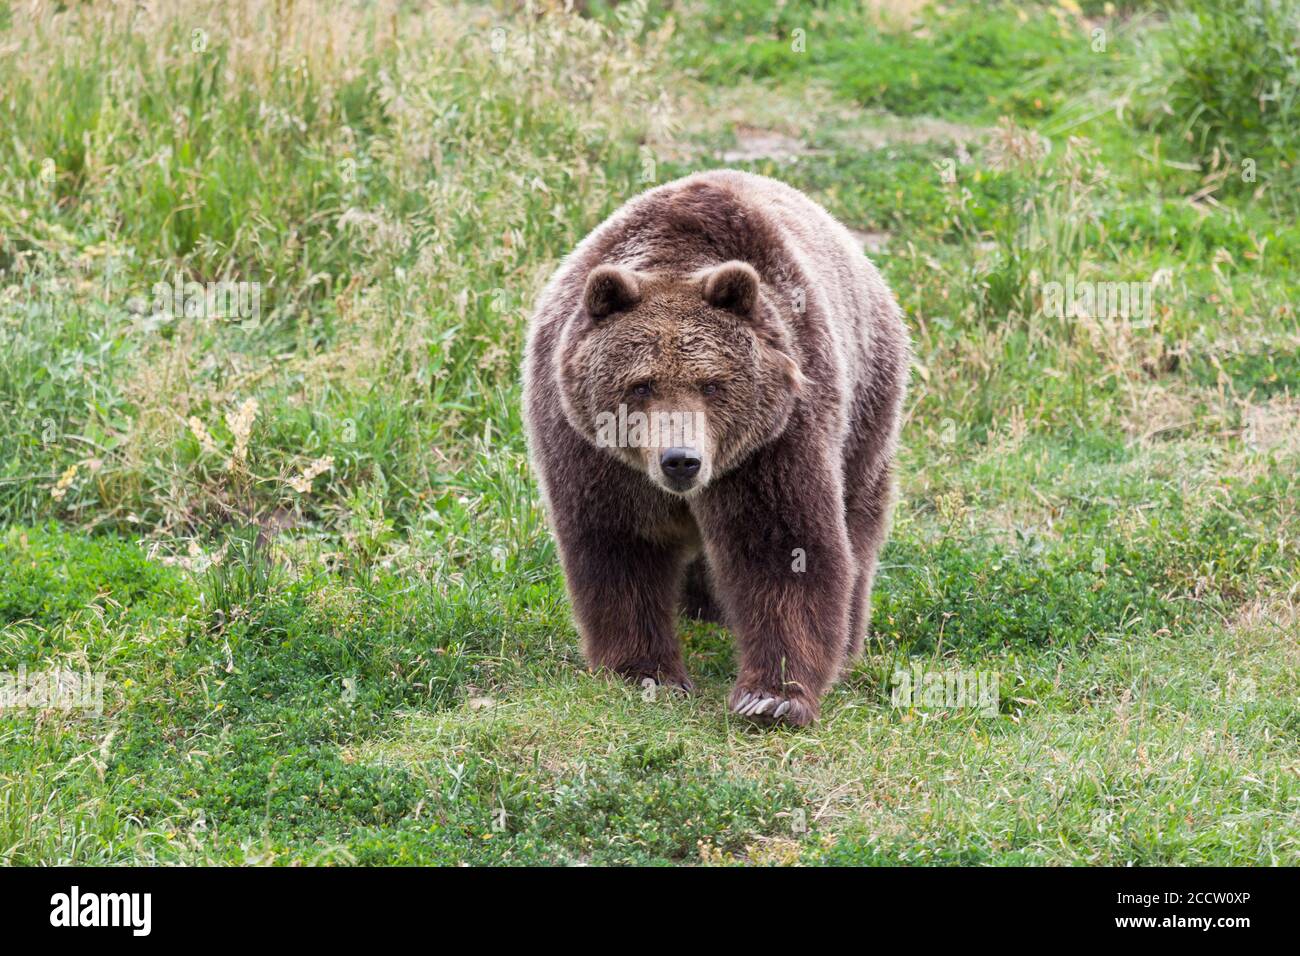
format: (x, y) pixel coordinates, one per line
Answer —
(709, 388)
(641, 389)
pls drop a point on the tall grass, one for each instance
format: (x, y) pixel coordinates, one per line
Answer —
(1229, 80)
(400, 184)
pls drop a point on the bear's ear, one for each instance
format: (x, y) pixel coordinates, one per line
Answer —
(792, 373)
(733, 286)
(610, 289)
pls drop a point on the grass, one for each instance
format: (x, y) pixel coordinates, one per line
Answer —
(306, 553)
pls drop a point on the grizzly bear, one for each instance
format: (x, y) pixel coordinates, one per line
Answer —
(712, 390)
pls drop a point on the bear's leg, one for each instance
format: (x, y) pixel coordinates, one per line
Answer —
(697, 594)
(866, 512)
(624, 594)
(779, 555)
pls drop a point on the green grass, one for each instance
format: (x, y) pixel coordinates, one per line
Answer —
(963, 62)
(376, 664)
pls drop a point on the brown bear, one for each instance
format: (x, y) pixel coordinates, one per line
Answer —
(712, 391)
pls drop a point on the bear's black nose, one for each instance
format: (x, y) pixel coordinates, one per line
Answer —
(680, 465)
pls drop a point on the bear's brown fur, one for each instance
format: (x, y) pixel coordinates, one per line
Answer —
(734, 303)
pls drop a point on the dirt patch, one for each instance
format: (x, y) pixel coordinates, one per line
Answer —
(873, 242)
(778, 124)
(879, 131)
(753, 143)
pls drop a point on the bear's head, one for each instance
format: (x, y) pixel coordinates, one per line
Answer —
(680, 377)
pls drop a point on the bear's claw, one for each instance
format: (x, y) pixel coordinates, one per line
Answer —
(771, 709)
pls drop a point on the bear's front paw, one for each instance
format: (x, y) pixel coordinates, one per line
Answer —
(772, 707)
